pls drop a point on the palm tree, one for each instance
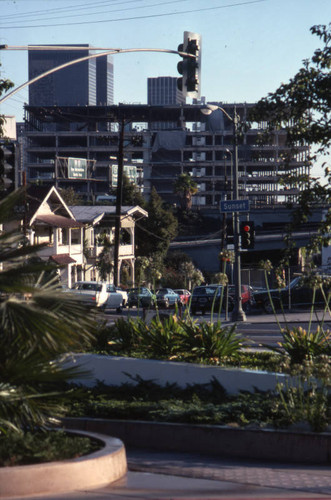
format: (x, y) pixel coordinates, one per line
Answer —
(38, 323)
(186, 188)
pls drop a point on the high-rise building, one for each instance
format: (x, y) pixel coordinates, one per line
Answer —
(86, 83)
(163, 91)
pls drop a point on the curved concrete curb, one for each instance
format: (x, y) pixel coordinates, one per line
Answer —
(90, 471)
(218, 440)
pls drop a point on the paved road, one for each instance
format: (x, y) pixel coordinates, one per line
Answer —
(260, 329)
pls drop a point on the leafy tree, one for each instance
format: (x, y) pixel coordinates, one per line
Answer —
(4, 86)
(105, 263)
(71, 197)
(303, 104)
(303, 107)
(38, 324)
(131, 194)
(154, 233)
(186, 188)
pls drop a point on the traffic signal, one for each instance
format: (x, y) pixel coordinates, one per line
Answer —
(247, 233)
(190, 67)
(7, 167)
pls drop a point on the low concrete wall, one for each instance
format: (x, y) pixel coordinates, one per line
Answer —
(114, 370)
(223, 441)
(85, 473)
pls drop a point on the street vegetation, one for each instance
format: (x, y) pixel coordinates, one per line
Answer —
(39, 323)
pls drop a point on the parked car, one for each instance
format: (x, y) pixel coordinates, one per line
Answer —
(203, 298)
(98, 294)
(166, 297)
(115, 298)
(247, 296)
(296, 294)
(124, 294)
(184, 295)
(141, 296)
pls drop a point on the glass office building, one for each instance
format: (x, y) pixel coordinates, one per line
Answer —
(87, 83)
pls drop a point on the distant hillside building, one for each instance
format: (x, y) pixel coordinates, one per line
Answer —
(86, 83)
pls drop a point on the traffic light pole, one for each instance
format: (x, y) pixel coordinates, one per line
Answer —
(237, 313)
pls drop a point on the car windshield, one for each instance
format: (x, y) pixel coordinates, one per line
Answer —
(206, 290)
(88, 286)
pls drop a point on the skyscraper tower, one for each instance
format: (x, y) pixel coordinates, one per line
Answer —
(161, 91)
(86, 83)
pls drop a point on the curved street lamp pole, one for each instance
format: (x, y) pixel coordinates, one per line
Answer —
(238, 313)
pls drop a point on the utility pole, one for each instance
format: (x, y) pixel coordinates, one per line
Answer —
(119, 192)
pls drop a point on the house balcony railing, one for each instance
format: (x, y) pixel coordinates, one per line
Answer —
(93, 252)
(52, 249)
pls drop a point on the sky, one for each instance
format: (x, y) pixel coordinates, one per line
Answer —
(249, 47)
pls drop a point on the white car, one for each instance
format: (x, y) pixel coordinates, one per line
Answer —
(115, 298)
(98, 294)
(124, 295)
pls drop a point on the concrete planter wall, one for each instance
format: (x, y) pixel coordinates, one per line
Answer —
(90, 471)
(222, 441)
(114, 370)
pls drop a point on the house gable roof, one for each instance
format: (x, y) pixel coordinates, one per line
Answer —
(92, 214)
(42, 201)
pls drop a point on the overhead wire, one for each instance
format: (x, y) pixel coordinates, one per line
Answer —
(132, 18)
(75, 8)
(75, 15)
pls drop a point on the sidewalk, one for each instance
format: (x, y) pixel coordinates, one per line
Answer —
(183, 476)
(294, 316)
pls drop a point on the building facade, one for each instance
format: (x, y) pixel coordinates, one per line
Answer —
(86, 83)
(73, 236)
(202, 146)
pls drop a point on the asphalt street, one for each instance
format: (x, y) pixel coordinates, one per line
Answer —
(259, 329)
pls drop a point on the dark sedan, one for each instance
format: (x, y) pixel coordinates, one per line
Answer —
(204, 298)
(296, 294)
(141, 297)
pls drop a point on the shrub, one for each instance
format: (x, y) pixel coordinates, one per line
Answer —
(300, 344)
(40, 446)
(210, 341)
(162, 338)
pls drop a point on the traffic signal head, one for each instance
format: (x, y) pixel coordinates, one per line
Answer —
(190, 67)
(247, 233)
(7, 167)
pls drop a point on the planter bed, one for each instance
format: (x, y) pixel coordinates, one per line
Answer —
(88, 472)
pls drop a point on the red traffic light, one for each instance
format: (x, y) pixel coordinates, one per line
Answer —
(246, 228)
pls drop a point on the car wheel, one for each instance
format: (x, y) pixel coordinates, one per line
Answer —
(267, 306)
(247, 307)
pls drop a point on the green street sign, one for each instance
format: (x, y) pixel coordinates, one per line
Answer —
(77, 168)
